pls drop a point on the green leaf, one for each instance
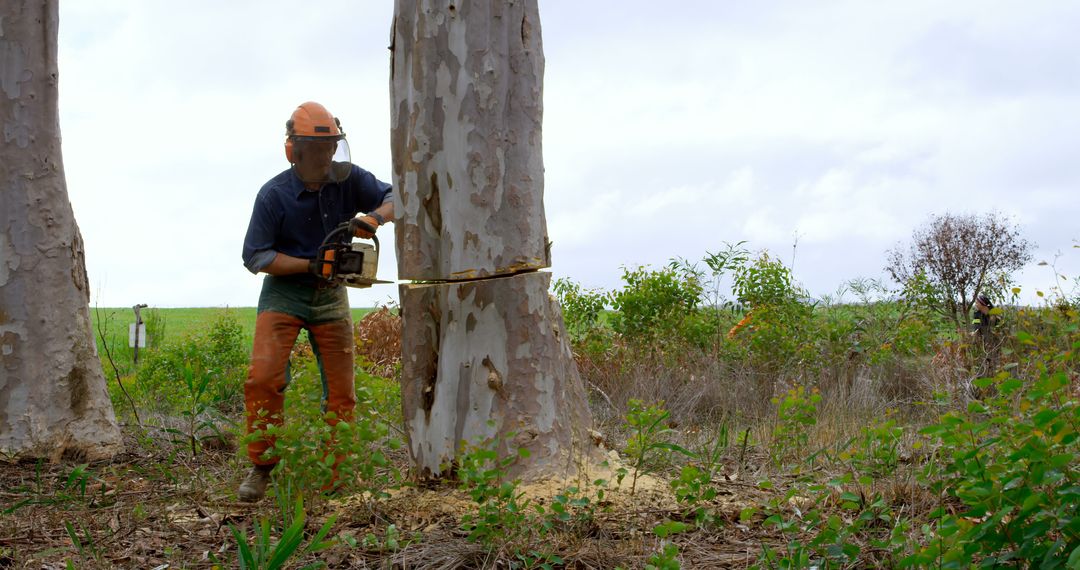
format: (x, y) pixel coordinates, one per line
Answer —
(848, 496)
(1009, 386)
(1033, 501)
(668, 528)
(317, 543)
(1074, 559)
(246, 559)
(672, 447)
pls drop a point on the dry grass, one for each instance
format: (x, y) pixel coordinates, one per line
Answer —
(378, 342)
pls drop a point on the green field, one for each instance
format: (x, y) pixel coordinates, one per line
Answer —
(165, 327)
(179, 323)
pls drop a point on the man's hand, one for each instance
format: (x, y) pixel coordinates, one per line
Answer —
(315, 268)
(363, 226)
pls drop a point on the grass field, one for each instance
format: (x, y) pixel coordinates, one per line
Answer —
(179, 323)
(166, 326)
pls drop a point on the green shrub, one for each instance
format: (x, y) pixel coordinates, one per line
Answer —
(796, 412)
(1009, 468)
(658, 306)
(307, 446)
(582, 308)
(217, 357)
(780, 331)
(649, 446)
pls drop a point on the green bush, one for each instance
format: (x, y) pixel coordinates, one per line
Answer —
(780, 332)
(216, 358)
(1009, 469)
(582, 308)
(583, 316)
(659, 306)
(307, 446)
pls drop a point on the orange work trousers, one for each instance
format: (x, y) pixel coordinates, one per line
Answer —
(268, 375)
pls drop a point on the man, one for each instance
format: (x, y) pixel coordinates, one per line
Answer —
(983, 320)
(293, 213)
(982, 327)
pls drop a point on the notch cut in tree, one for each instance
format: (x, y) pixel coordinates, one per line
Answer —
(484, 353)
(53, 397)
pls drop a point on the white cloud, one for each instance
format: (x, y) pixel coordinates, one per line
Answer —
(668, 130)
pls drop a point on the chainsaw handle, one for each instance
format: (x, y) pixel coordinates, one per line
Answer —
(347, 229)
(360, 223)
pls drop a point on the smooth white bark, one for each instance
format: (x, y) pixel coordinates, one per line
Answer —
(53, 397)
(466, 112)
(483, 359)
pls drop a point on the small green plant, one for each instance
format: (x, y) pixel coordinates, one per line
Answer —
(694, 485)
(311, 442)
(648, 443)
(199, 414)
(264, 553)
(796, 412)
(505, 519)
(84, 543)
(668, 557)
(876, 452)
(390, 541)
(71, 492)
(503, 511)
(572, 507)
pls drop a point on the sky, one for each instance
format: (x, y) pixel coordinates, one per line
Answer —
(822, 132)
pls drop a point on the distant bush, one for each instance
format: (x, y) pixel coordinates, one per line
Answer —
(220, 353)
(659, 306)
(955, 257)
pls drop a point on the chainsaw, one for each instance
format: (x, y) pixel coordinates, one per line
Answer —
(352, 264)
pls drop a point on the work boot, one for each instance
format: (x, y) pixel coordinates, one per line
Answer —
(254, 486)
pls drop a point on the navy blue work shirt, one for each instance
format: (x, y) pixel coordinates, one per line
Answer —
(293, 220)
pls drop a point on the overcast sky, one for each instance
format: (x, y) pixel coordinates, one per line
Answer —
(669, 129)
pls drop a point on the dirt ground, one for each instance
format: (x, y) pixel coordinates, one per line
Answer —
(155, 507)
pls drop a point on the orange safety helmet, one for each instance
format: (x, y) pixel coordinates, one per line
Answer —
(310, 121)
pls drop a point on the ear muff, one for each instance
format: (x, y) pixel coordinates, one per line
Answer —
(289, 126)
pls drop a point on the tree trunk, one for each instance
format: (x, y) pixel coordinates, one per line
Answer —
(483, 359)
(490, 360)
(53, 397)
(466, 110)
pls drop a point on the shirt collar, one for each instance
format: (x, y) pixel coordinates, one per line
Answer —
(298, 188)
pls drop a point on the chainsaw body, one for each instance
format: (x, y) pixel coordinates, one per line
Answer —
(353, 264)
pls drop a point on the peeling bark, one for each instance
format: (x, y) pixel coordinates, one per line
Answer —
(484, 353)
(466, 112)
(53, 397)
